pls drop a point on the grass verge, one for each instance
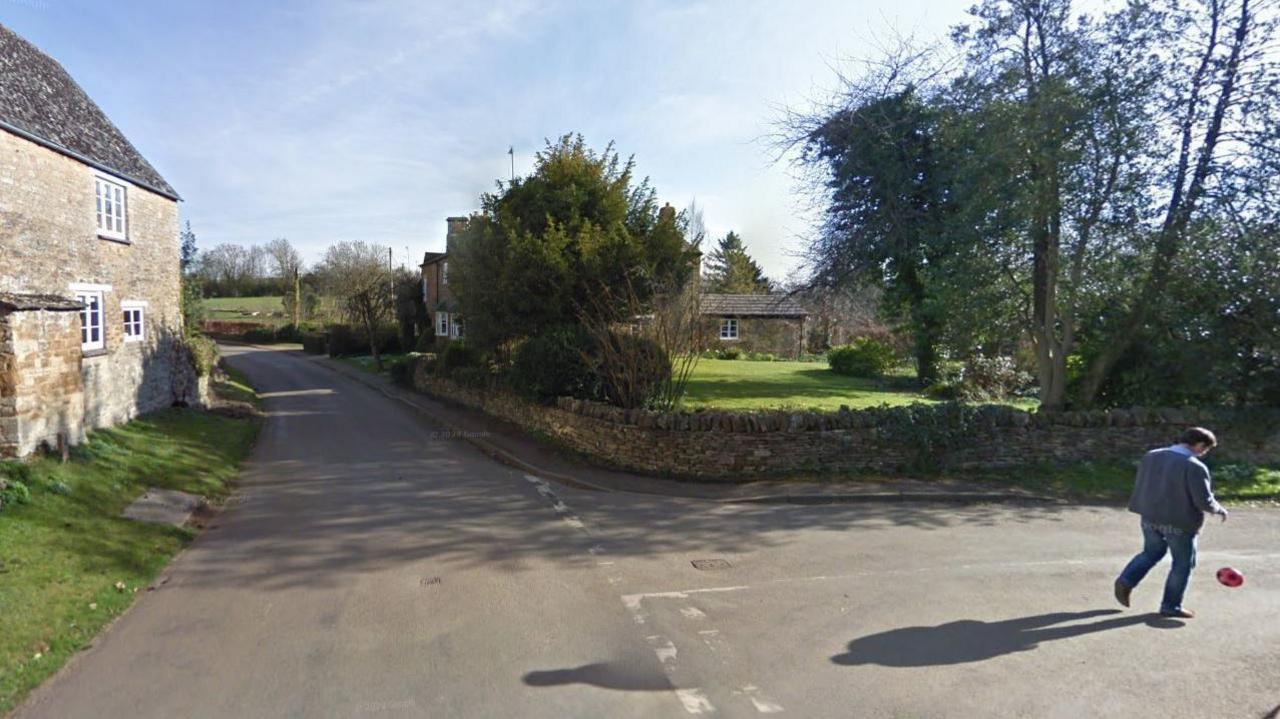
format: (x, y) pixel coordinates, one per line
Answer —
(69, 564)
(1234, 482)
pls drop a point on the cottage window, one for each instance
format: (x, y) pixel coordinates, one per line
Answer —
(442, 324)
(426, 293)
(459, 328)
(729, 329)
(444, 272)
(133, 325)
(110, 199)
(91, 334)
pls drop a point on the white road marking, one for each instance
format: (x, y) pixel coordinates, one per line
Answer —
(695, 702)
(760, 702)
(559, 506)
(665, 650)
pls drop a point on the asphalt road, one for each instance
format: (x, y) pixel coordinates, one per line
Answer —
(375, 566)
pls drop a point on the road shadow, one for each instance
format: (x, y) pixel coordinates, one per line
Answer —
(1273, 714)
(606, 675)
(344, 480)
(969, 640)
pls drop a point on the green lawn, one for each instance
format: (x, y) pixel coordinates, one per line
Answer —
(240, 309)
(68, 563)
(744, 385)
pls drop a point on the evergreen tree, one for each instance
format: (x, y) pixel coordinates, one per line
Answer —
(732, 271)
(189, 251)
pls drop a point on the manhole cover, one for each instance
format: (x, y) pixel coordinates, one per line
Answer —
(707, 564)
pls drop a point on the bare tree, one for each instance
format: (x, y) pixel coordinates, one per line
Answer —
(288, 266)
(357, 274)
(633, 373)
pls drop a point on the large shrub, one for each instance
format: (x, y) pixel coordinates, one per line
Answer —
(457, 356)
(864, 357)
(346, 340)
(632, 369)
(554, 364)
(202, 351)
(987, 379)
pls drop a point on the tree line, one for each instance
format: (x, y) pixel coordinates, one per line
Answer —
(1092, 190)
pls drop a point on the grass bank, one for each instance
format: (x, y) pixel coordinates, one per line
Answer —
(69, 563)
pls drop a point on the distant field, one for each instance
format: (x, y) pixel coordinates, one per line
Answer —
(270, 310)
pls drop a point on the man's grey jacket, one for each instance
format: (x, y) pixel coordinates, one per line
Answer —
(1173, 488)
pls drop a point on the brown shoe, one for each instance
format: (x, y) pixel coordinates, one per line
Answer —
(1179, 614)
(1122, 593)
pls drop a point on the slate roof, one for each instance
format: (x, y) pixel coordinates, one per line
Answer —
(774, 305)
(430, 257)
(24, 302)
(40, 101)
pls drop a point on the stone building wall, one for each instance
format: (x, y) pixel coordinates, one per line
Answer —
(41, 390)
(782, 336)
(49, 242)
(729, 446)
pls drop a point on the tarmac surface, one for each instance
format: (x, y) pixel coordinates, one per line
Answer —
(376, 564)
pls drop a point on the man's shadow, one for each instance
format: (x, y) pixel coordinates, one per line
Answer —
(973, 641)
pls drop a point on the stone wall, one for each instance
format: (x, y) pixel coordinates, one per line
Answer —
(41, 390)
(782, 336)
(49, 241)
(742, 445)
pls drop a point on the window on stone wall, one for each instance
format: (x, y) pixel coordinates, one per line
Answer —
(91, 330)
(133, 326)
(728, 329)
(442, 324)
(110, 199)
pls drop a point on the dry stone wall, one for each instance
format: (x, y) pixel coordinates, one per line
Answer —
(742, 445)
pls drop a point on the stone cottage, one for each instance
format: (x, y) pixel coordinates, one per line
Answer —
(89, 272)
(441, 305)
(773, 323)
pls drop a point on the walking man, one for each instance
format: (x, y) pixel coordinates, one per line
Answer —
(1172, 494)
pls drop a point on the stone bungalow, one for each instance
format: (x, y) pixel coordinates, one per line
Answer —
(772, 323)
(89, 264)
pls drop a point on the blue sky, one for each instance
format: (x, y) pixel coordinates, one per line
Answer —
(374, 120)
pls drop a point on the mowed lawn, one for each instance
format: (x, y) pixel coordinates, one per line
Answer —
(745, 385)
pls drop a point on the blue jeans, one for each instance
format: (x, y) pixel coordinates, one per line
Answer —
(1181, 543)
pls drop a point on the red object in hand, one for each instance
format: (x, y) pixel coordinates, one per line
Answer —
(1230, 577)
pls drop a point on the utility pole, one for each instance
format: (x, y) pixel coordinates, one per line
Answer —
(511, 150)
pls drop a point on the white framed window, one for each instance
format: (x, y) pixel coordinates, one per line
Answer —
(134, 324)
(442, 324)
(426, 293)
(92, 336)
(110, 201)
(729, 329)
(444, 272)
(458, 328)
